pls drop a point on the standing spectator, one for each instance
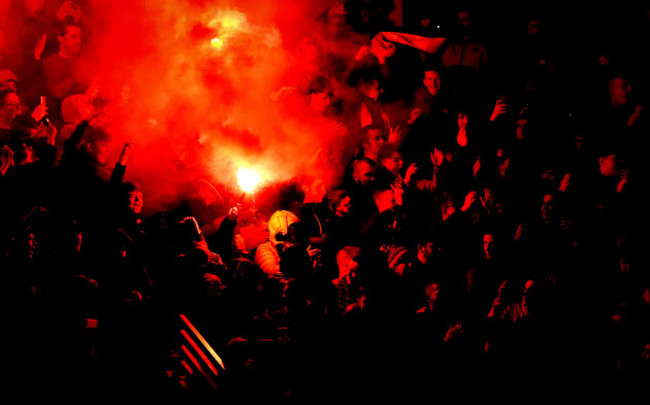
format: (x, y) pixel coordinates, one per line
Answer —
(67, 72)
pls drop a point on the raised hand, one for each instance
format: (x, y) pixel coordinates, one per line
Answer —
(6, 159)
(233, 213)
(39, 112)
(398, 192)
(470, 198)
(500, 292)
(477, 166)
(50, 132)
(455, 330)
(565, 183)
(362, 53)
(520, 232)
(124, 156)
(487, 200)
(623, 182)
(410, 171)
(437, 158)
(500, 108)
(314, 255)
(394, 135)
(414, 115)
(40, 46)
(636, 114)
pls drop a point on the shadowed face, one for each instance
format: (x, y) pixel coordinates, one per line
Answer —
(463, 19)
(432, 291)
(619, 90)
(69, 9)
(393, 163)
(135, 201)
(364, 174)
(99, 150)
(463, 120)
(432, 82)
(374, 142)
(488, 246)
(307, 50)
(547, 207)
(71, 42)
(521, 130)
(608, 165)
(372, 90)
(10, 108)
(320, 101)
(343, 207)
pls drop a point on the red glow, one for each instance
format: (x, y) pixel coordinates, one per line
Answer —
(191, 88)
(227, 24)
(229, 21)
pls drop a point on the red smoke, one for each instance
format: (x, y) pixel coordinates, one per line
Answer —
(196, 89)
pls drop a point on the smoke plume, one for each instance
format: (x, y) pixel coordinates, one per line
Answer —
(202, 89)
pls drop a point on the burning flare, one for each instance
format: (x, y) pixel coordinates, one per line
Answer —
(216, 43)
(248, 180)
(227, 24)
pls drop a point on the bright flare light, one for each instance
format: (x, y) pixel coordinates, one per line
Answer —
(227, 25)
(216, 43)
(248, 180)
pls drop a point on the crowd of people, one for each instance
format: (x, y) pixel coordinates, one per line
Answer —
(487, 234)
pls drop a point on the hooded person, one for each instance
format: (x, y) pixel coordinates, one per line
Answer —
(267, 255)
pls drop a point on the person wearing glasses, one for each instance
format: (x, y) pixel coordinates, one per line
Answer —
(10, 108)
